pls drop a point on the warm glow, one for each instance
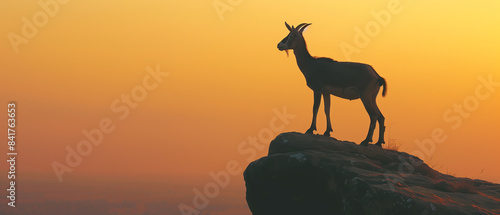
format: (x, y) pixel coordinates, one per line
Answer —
(226, 77)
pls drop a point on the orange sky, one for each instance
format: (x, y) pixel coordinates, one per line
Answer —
(226, 77)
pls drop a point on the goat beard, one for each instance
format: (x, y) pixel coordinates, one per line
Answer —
(286, 50)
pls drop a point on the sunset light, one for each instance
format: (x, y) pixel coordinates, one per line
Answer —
(158, 107)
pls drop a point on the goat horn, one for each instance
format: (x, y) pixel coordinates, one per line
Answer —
(303, 27)
(300, 26)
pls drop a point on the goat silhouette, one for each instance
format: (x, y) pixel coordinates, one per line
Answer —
(346, 80)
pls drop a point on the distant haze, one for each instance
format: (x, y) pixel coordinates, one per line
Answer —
(227, 76)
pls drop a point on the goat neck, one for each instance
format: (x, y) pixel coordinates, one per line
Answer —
(304, 59)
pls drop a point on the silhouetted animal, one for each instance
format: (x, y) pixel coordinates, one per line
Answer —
(346, 80)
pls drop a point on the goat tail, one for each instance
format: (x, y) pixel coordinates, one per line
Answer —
(383, 83)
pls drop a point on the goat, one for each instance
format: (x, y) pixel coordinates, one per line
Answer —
(346, 80)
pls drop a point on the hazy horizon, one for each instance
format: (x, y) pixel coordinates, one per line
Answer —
(228, 86)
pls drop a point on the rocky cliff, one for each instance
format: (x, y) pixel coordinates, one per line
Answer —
(311, 174)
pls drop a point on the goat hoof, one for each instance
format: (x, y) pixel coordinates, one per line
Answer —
(379, 144)
(364, 143)
(310, 131)
(327, 133)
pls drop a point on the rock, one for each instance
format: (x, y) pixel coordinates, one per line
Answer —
(318, 175)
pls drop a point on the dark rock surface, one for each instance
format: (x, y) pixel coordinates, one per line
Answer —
(311, 174)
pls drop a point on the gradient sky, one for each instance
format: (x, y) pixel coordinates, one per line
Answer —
(226, 77)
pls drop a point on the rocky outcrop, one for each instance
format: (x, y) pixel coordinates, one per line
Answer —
(311, 174)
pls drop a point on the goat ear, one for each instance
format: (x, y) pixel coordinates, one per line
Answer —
(288, 26)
